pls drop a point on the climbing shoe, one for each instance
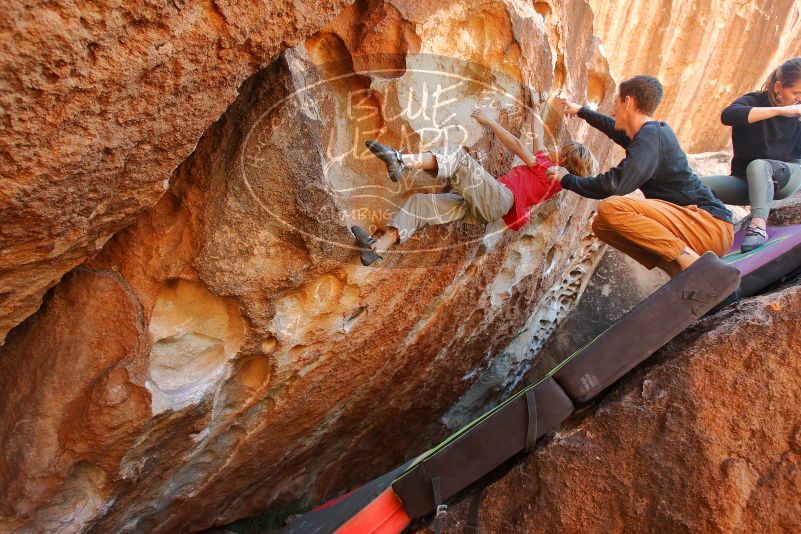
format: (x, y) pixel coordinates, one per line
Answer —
(390, 157)
(754, 238)
(365, 242)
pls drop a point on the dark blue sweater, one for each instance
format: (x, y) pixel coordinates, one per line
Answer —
(654, 163)
(776, 138)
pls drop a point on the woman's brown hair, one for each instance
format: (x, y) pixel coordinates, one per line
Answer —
(788, 73)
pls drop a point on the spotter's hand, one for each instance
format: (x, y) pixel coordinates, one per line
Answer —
(556, 172)
(569, 109)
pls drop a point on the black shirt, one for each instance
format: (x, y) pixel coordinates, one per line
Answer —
(654, 163)
(776, 138)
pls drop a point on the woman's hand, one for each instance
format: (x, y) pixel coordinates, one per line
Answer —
(481, 115)
(569, 109)
(792, 111)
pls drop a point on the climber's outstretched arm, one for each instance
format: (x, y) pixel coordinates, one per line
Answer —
(505, 136)
(537, 132)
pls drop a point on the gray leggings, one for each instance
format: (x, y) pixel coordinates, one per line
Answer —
(756, 188)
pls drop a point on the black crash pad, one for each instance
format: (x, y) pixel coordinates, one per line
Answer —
(647, 327)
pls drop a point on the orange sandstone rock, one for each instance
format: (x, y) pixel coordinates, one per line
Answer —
(99, 103)
(705, 53)
(703, 438)
(227, 351)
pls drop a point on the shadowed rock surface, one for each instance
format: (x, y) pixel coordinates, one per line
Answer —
(617, 285)
(233, 352)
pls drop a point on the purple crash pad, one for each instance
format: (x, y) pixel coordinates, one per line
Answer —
(768, 264)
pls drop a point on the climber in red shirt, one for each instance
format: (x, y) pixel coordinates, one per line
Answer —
(475, 196)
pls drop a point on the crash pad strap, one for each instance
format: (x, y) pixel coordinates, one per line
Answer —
(531, 431)
(484, 447)
(698, 296)
(436, 489)
(471, 523)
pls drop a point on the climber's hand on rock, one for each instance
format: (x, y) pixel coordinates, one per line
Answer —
(481, 115)
(556, 172)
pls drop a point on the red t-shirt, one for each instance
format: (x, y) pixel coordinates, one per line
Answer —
(530, 186)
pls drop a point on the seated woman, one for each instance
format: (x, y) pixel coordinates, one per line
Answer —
(766, 134)
(476, 196)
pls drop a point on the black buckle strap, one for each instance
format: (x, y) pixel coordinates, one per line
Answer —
(697, 296)
(471, 524)
(436, 489)
(442, 509)
(531, 431)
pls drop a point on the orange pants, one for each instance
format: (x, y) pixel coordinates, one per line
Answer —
(651, 231)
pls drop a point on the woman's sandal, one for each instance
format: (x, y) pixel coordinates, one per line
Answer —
(754, 238)
(365, 242)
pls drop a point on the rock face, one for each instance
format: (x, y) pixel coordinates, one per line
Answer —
(705, 53)
(99, 104)
(704, 438)
(227, 351)
(787, 211)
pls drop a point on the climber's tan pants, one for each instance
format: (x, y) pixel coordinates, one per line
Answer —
(652, 230)
(477, 197)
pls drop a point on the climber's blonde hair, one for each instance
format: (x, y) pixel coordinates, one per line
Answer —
(576, 158)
